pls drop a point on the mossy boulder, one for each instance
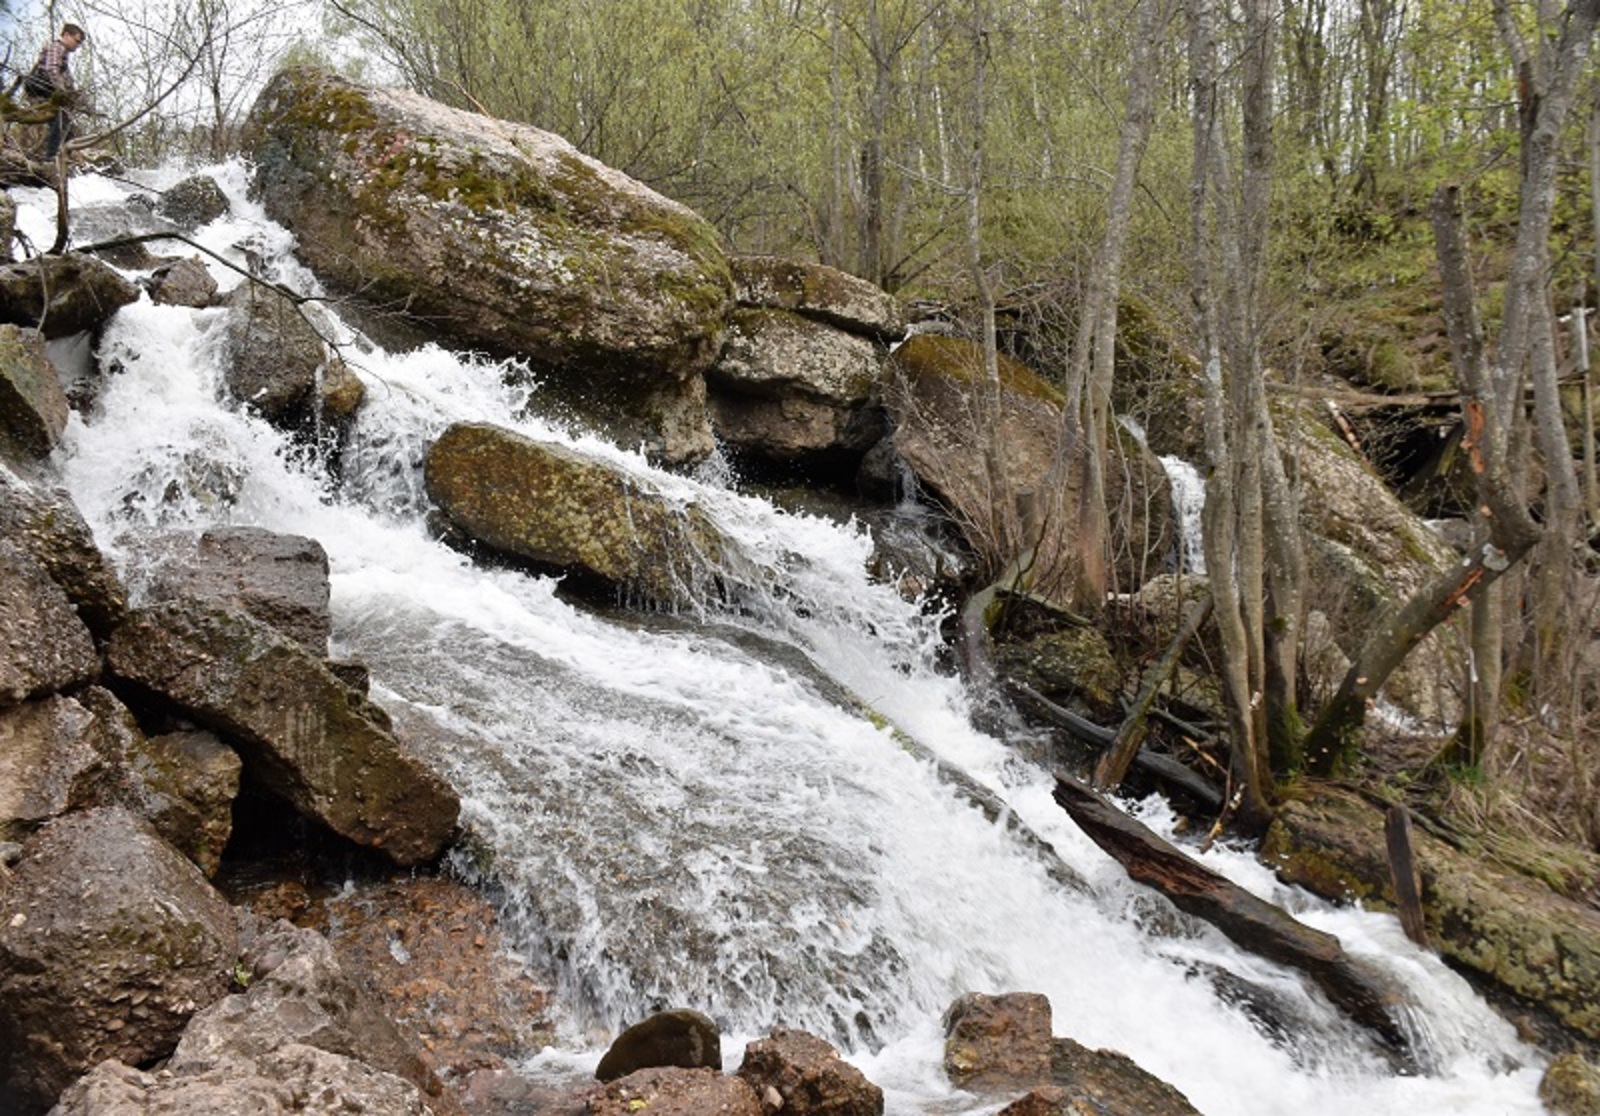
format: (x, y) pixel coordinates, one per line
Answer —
(567, 512)
(824, 294)
(302, 733)
(790, 389)
(1510, 930)
(33, 406)
(109, 942)
(498, 236)
(277, 365)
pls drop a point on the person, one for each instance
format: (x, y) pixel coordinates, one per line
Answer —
(50, 75)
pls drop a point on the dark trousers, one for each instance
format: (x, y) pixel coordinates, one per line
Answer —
(60, 131)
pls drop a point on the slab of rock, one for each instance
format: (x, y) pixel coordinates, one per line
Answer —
(33, 405)
(109, 942)
(293, 1079)
(560, 509)
(192, 202)
(1571, 1087)
(48, 763)
(800, 1074)
(671, 1091)
(1088, 1082)
(498, 236)
(820, 292)
(301, 732)
(683, 1038)
(1505, 927)
(62, 295)
(187, 282)
(281, 580)
(278, 365)
(996, 1043)
(43, 644)
(47, 525)
(787, 388)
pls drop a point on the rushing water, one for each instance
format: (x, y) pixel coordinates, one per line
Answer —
(742, 809)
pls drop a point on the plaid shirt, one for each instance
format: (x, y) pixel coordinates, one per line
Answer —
(53, 63)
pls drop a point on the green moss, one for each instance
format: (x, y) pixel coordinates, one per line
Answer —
(932, 356)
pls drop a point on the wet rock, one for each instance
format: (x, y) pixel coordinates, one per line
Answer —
(109, 942)
(790, 389)
(499, 236)
(43, 644)
(185, 283)
(683, 1038)
(195, 201)
(281, 580)
(301, 732)
(278, 365)
(49, 527)
(62, 295)
(555, 507)
(1099, 1083)
(800, 1074)
(297, 1079)
(48, 763)
(1571, 1087)
(33, 405)
(822, 293)
(1504, 926)
(996, 1043)
(670, 1091)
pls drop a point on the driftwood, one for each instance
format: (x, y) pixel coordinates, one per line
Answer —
(1167, 770)
(1403, 871)
(1113, 765)
(1362, 992)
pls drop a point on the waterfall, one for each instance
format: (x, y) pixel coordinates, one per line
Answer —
(1188, 502)
(719, 809)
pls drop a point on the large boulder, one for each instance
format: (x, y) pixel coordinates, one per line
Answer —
(1101, 1083)
(1512, 931)
(109, 942)
(819, 292)
(995, 1043)
(303, 734)
(684, 1038)
(193, 201)
(499, 236)
(936, 401)
(33, 405)
(48, 763)
(301, 1080)
(62, 295)
(50, 528)
(560, 509)
(281, 580)
(43, 644)
(670, 1091)
(185, 282)
(788, 389)
(277, 364)
(800, 1074)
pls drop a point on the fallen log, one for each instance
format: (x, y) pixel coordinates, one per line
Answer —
(1362, 992)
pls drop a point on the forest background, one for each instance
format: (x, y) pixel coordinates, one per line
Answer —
(1394, 194)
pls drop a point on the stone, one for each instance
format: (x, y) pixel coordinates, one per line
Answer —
(188, 282)
(48, 526)
(787, 388)
(555, 507)
(33, 405)
(192, 202)
(62, 295)
(303, 735)
(501, 238)
(819, 292)
(281, 580)
(670, 1091)
(48, 763)
(43, 644)
(1571, 1087)
(998, 1043)
(1088, 1082)
(278, 365)
(297, 1080)
(683, 1038)
(807, 1077)
(8, 225)
(1500, 925)
(109, 942)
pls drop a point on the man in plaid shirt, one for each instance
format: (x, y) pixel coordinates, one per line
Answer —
(50, 75)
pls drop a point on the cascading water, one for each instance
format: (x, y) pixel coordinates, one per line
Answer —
(712, 810)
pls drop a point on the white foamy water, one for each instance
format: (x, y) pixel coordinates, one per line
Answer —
(699, 810)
